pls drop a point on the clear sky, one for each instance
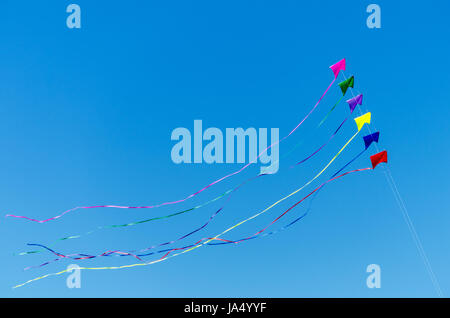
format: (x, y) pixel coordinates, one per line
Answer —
(86, 117)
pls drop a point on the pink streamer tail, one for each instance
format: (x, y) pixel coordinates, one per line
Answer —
(193, 194)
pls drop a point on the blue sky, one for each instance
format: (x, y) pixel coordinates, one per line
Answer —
(87, 114)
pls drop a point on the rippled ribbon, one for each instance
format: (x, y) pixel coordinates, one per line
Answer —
(295, 220)
(220, 209)
(189, 196)
(141, 221)
(120, 253)
(284, 198)
(201, 205)
(320, 148)
(107, 253)
(197, 245)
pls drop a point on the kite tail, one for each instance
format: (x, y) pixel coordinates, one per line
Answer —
(329, 112)
(320, 124)
(331, 137)
(142, 221)
(108, 253)
(304, 214)
(299, 189)
(198, 244)
(349, 163)
(198, 206)
(191, 195)
(261, 231)
(265, 210)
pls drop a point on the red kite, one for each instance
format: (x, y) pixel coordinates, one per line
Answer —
(378, 158)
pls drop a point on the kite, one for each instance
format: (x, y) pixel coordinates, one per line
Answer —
(336, 68)
(378, 158)
(353, 102)
(363, 119)
(371, 138)
(344, 86)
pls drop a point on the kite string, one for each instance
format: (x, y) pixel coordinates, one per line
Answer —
(406, 217)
